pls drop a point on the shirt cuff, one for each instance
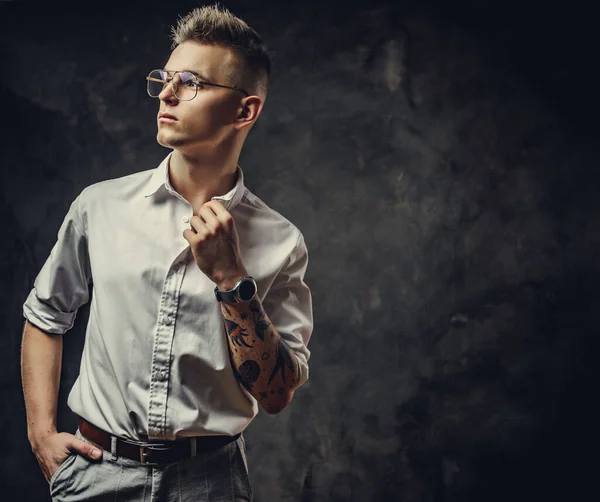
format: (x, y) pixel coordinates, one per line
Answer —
(46, 317)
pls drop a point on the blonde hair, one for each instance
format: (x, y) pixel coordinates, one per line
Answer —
(214, 24)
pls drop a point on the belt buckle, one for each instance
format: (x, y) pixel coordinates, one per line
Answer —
(145, 450)
(143, 454)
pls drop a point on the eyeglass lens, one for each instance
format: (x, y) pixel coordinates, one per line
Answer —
(185, 87)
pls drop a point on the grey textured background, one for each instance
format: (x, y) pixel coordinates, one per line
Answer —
(441, 160)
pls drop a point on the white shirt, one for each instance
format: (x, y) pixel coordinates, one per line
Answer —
(155, 360)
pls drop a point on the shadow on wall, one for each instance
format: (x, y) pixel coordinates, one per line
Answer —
(507, 412)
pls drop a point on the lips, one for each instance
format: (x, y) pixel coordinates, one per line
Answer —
(166, 115)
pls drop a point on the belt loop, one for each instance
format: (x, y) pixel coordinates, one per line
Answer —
(113, 447)
(193, 446)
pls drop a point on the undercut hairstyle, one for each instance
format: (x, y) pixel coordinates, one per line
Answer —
(214, 24)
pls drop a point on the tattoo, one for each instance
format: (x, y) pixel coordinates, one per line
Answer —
(261, 327)
(255, 306)
(248, 373)
(236, 333)
(259, 318)
(241, 324)
(283, 360)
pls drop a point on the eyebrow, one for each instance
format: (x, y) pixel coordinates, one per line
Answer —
(197, 73)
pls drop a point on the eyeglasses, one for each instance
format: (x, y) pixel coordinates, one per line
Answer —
(185, 84)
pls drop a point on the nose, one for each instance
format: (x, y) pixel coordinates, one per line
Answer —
(167, 93)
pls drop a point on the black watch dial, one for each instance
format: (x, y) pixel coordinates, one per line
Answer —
(246, 290)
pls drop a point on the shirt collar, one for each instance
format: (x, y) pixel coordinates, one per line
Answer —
(160, 178)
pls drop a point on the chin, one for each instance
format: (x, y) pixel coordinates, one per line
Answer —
(169, 142)
(185, 143)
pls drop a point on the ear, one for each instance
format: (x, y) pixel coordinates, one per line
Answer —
(248, 111)
(244, 111)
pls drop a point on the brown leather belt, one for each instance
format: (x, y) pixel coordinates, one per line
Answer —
(153, 452)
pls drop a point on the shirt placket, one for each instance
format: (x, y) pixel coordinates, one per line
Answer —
(162, 352)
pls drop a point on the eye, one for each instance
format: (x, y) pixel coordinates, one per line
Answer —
(187, 79)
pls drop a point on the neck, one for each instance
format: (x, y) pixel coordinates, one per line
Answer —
(198, 178)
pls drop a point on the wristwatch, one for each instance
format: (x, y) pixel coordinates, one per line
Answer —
(243, 291)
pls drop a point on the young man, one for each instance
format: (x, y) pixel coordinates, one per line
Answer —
(199, 312)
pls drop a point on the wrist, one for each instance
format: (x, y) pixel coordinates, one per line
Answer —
(228, 284)
(37, 435)
(225, 283)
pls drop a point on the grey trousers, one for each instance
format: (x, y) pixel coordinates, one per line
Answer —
(220, 475)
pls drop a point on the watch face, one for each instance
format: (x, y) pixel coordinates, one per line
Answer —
(246, 290)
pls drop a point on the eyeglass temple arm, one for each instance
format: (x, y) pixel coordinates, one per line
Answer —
(225, 86)
(202, 82)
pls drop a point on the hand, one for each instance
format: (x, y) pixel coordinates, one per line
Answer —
(55, 448)
(215, 245)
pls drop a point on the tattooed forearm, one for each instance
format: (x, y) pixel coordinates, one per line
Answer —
(260, 319)
(247, 374)
(236, 333)
(283, 360)
(263, 363)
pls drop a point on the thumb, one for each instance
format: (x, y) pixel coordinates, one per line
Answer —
(86, 449)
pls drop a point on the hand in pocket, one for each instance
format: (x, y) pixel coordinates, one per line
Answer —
(54, 449)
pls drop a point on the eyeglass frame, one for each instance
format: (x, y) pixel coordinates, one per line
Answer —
(196, 80)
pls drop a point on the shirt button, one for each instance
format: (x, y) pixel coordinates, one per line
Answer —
(185, 219)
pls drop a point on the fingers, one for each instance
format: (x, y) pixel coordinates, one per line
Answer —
(201, 227)
(85, 449)
(211, 217)
(214, 209)
(219, 209)
(188, 235)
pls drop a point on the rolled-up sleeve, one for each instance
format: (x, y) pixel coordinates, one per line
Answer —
(61, 286)
(288, 304)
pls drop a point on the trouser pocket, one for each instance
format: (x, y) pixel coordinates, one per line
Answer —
(239, 465)
(61, 476)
